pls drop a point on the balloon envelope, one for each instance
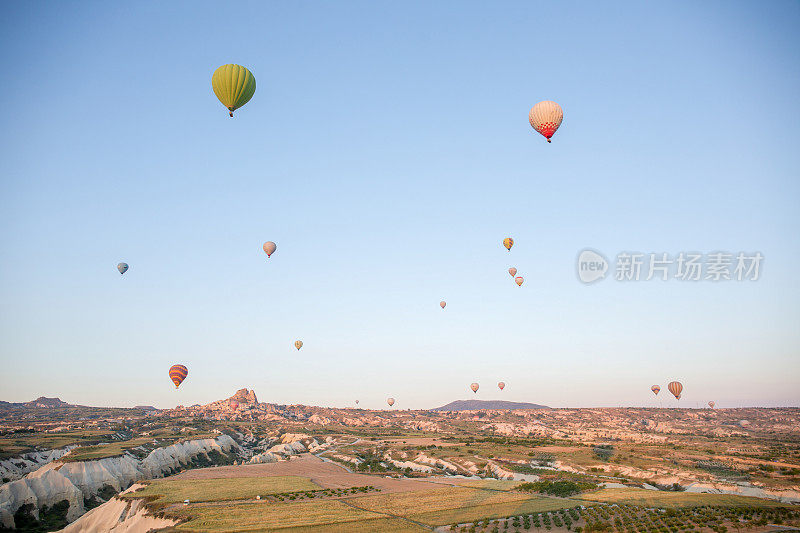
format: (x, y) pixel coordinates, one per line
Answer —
(390, 401)
(177, 373)
(711, 404)
(512, 271)
(442, 304)
(519, 280)
(474, 387)
(675, 388)
(269, 248)
(298, 344)
(502, 385)
(122, 267)
(546, 117)
(656, 389)
(508, 242)
(234, 85)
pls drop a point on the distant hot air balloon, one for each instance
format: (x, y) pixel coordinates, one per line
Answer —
(269, 248)
(508, 242)
(546, 117)
(512, 271)
(711, 404)
(675, 388)
(233, 404)
(234, 85)
(390, 401)
(442, 304)
(298, 344)
(502, 385)
(356, 402)
(656, 389)
(474, 387)
(177, 373)
(519, 280)
(122, 267)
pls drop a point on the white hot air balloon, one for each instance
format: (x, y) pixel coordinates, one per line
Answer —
(546, 117)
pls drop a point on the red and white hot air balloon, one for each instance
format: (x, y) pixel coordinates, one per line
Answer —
(512, 271)
(711, 404)
(269, 248)
(656, 389)
(675, 388)
(442, 304)
(546, 117)
(501, 385)
(474, 387)
(519, 280)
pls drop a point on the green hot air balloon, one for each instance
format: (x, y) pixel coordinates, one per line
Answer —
(234, 85)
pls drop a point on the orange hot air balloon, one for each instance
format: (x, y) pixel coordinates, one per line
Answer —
(546, 117)
(675, 388)
(711, 404)
(442, 304)
(502, 385)
(269, 248)
(390, 401)
(512, 271)
(656, 389)
(298, 344)
(474, 387)
(519, 280)
(508, 242)
(177, 373)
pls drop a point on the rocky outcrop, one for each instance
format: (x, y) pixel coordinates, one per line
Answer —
(16, 467)
(81, 480)
(119, 516)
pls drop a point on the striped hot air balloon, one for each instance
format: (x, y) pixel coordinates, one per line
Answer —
(474, 387)
(675, 388)
(519, 280)
(177, 373)
(508, 242)
(546, 117)
(656, 389)
(501, 385)
(234, 85)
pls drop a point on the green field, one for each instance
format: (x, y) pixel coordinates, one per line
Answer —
(166, 491)
(652, 498)
(270, 516)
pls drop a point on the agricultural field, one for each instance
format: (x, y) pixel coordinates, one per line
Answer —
(164, 491)
(663, 499)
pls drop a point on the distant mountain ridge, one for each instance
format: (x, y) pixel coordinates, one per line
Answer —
(476, 405)
(47, 403)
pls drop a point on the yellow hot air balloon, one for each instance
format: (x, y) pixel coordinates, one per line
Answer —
(656, 389)
(512, 271)
(298, 344)
(390, 401)
(519, 280)
(501, 385)
(546, 117)
(508, 242)
(234, 85)
(675, 388)
(442, 304)
(177, 373)
(269, 248)
(474, 387)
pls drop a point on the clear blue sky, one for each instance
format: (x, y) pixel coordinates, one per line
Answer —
(387, 152)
